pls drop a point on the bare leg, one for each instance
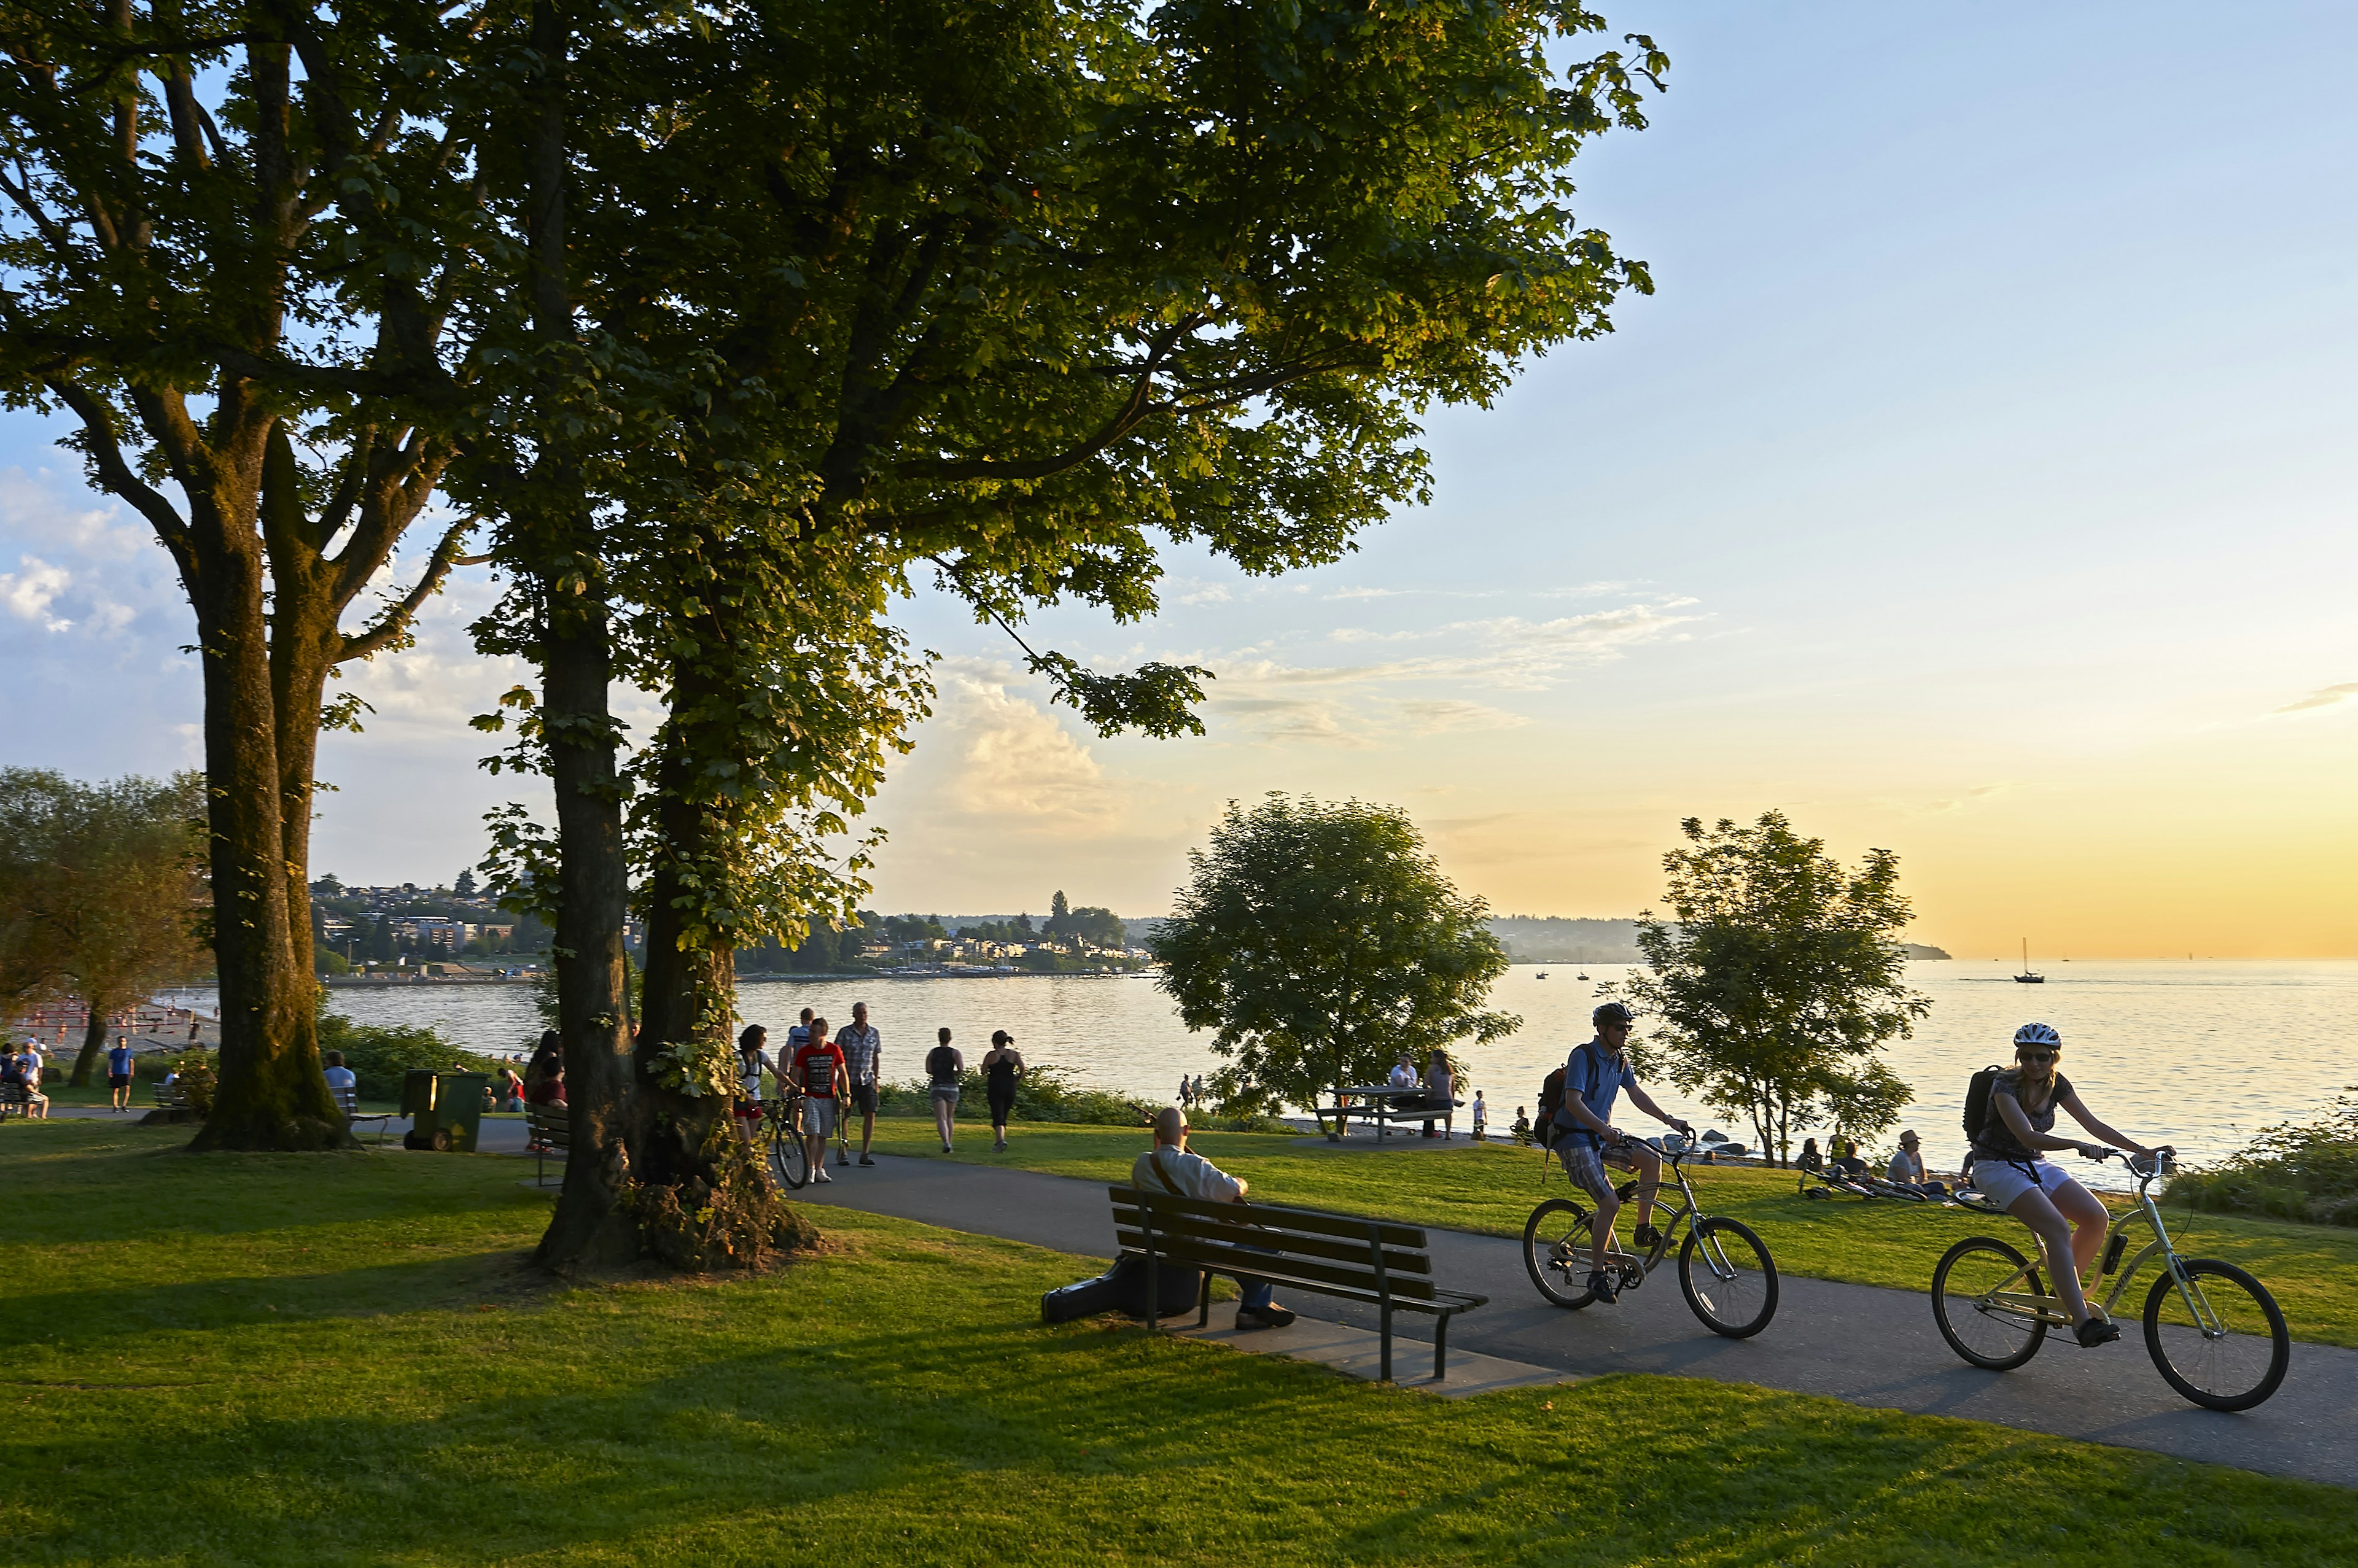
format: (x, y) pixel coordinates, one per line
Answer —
(867, 1131)
(1649, 1180)
(1600, 1230)
(2090, 1219)
(2035, 1210)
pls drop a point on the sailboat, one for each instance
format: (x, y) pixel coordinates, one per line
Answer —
(2029, 978)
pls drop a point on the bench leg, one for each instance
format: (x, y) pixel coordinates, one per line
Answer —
(1204, 1304)
(1385, 1372)
(1440, 1346)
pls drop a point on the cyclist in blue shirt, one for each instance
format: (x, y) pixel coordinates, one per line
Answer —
(1593, 1078)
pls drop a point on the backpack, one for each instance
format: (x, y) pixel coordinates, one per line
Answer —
(1977, 1102)
(1550, 1100)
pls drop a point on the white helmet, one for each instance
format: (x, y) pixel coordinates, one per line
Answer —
(2037, 1035)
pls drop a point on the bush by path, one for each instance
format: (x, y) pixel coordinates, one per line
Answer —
(307, 1359)
(2306, 1171)
(1492, 1188)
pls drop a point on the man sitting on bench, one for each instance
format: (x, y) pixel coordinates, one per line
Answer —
(1168, 1167)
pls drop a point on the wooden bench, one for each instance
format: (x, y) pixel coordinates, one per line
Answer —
(1378, 1262)
(548, 1126)
(16, 1099)
(1380, 1111)
(348, 1100)
(172, 1097)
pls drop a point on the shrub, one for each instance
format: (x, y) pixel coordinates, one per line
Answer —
(196, 1080)
(1043, 1094)
(2307, 1171)
(378, 1055)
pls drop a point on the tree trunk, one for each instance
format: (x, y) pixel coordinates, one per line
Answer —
(271, 1093)
(94, 1041)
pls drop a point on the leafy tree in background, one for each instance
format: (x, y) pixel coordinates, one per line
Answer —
(236, 247)
(1318, 939)
(1778, 978)
(103, 887)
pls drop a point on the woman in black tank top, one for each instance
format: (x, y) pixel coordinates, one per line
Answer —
(1001, 1066)
(2068, 1219)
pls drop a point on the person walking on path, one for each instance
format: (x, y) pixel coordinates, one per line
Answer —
(1002, 1065)
(944, 1068)
(1169, 1167)
(819, 1069)
(752, 1061)
(799, 1035)
(863, 1056)
(1186, 1091)
(118, 1073)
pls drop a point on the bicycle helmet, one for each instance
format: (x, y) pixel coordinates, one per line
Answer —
(2037, 1035)
(1612, 1012)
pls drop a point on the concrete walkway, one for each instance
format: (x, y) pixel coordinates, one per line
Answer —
(1859, 1342)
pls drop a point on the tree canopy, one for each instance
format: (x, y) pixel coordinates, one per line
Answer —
(1778, 978)
(1319, 939)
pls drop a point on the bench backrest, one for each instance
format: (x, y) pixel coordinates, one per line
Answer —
(550, 1123)
(347, 1100)
(1305, 1244)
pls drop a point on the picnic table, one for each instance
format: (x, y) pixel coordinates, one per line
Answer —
(1381, 1104)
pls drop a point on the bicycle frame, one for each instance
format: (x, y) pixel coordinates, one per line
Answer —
(2050, 1310)
(1671, 1211)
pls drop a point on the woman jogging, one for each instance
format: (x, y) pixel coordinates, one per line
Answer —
(2067, 1217)
(1001, 1066)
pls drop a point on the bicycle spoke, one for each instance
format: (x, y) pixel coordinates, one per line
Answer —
(1555, 1252)
(2217, 1337)
(1728, 1277)
(1977, 1326)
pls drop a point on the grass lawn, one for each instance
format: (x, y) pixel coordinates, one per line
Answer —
(2311, 1269)
(342, 1359)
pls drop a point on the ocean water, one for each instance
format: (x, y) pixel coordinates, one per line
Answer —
(2199, 1055)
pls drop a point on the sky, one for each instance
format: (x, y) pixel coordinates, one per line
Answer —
(1979, 485)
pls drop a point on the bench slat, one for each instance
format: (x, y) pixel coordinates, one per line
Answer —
(1245, 1232)
(1277, 1217)
(1272, 1266)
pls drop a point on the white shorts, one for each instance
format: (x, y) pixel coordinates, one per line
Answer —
(2002, 1183)
(818, 1118)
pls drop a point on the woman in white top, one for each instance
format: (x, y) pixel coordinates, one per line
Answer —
(751, 1063)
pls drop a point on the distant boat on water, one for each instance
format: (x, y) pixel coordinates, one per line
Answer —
(2028, 976)
(1542, 974)
(1580, 976)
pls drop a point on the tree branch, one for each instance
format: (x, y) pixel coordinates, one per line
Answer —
(394, 624)
(116, 475)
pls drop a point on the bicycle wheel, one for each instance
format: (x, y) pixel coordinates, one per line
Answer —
(1997, 1338)
(789, 1157)
(1555, 1251)
(2236, 1360)
(1734, 1290)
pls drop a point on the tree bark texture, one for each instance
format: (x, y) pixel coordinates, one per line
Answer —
(94, 1041)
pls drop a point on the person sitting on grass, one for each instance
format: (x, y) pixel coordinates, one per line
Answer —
(1907, 1168)
(1810, 1159)
(1588, 1140)
(1169, 1167)
(1522, 1127)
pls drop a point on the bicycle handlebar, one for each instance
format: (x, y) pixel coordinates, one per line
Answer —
(2163, 1161)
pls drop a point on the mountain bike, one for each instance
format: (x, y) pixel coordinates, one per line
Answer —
(1725, 1269)
(2213, 1331)
(782, 1128)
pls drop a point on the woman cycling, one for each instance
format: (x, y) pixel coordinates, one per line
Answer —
(1001, 1066)
(2068, 1218)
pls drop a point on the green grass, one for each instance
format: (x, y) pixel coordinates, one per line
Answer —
(343, 1359)
(1492, 1188)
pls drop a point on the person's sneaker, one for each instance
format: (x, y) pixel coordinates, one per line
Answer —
(2096, 1331)
(946, 1148)
(1601, 1286)
(820, 1176)
(841, 1158)
(1270, 1316)
(1647, 1237)
(866, 1161)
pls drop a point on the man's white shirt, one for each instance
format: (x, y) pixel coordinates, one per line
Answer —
(1193, 1175)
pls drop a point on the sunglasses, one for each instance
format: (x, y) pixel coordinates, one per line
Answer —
(2036, 1055)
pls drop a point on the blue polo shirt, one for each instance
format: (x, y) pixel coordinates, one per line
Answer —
(1591, 1073)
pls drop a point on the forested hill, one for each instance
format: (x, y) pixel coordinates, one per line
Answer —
(1553, 939)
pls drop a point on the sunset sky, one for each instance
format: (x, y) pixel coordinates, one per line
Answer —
(1979, 485)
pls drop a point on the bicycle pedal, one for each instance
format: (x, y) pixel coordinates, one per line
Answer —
(1626, 1191)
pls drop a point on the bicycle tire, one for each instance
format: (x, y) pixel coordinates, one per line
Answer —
(1979, 1349)
(1554, 1262)
(2243, 1392)
(789, 1156)
(1720, 1299)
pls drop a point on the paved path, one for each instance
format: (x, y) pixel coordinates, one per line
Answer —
(1868, 1345)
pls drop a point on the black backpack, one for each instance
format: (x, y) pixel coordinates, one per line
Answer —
(1550, 1101)
(1978, 1099)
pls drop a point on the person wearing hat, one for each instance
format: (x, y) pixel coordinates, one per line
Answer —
(1907, 1167)
(1001, 1066)
(1588, 1140)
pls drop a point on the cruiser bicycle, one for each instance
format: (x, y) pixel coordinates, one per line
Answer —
(782, 1129)
(2213, 1331)
(1725, 1271)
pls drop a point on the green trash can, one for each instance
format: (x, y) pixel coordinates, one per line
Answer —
(446, 1109)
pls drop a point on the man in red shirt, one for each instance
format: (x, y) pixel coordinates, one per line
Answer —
(818, 1068)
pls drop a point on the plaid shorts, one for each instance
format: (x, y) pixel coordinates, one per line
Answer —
(1585, 1163)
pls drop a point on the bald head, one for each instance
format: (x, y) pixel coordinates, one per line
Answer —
(1171, 1125)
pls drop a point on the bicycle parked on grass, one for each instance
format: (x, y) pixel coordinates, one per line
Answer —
(1725, 1271)
(2213, 1331)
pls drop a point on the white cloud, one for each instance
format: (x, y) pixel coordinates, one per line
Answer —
(1449, 716)
(2323, 697)
(29, 590)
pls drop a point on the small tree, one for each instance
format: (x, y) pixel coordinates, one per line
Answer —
(105, 887)
(1778, 978)
(1318, 938)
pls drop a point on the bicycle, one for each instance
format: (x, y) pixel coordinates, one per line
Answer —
(2213, 1331)
(783, 1128)
(1734, 1292)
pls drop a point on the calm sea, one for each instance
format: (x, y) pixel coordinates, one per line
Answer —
(2199, 1055)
